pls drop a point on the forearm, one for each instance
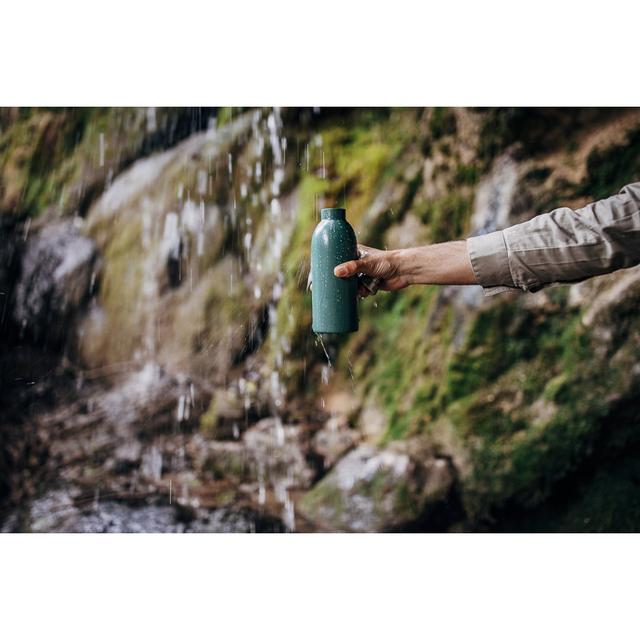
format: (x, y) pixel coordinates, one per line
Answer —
(445, 263)
(561, 246)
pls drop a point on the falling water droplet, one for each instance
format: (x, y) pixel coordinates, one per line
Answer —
(102, 149)
(326, 353)
(181, 408)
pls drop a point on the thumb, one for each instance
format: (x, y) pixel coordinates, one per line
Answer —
(347, 269)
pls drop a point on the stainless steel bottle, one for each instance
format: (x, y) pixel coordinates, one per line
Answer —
(334, 300)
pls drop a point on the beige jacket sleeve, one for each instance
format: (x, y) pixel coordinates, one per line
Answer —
(561, 246)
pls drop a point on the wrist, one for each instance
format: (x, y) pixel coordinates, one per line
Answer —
(397, 260)
(408, 264)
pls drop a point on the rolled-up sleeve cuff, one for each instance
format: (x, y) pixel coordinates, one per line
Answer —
(490, 262)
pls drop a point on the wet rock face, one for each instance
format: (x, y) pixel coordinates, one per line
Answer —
(58, 271)
(124, 425)
(279, 450)
(201, 329)
(269, 464)
(409, 233)
(270, 452)
(494, 197)
(373, 489)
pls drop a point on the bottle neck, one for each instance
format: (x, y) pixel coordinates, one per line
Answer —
(333, 214)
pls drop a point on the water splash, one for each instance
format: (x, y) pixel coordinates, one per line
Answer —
(324, 348)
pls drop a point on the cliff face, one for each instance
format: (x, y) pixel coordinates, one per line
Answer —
(181, 328)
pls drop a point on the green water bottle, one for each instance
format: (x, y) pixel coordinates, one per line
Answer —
(333, 300)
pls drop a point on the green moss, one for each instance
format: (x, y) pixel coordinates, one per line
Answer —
(515, 394)
(209, 419)
(49, 151)
(402, 367)
(466, 174)
(323, 497)
(556, 388)
(501, 336)
(518, 460)
(225, 115)
(491, 347)
(407, 506)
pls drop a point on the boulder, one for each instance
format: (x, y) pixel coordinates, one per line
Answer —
(58, 271)
(373, 489)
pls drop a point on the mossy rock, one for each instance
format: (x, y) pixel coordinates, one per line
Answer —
(376, 490)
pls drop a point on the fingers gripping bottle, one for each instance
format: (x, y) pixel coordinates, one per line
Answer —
(333, 300)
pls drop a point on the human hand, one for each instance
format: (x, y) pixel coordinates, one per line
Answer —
(382, 266)
(444, 263)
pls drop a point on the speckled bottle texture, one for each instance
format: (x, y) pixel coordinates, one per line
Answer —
(334, 300)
